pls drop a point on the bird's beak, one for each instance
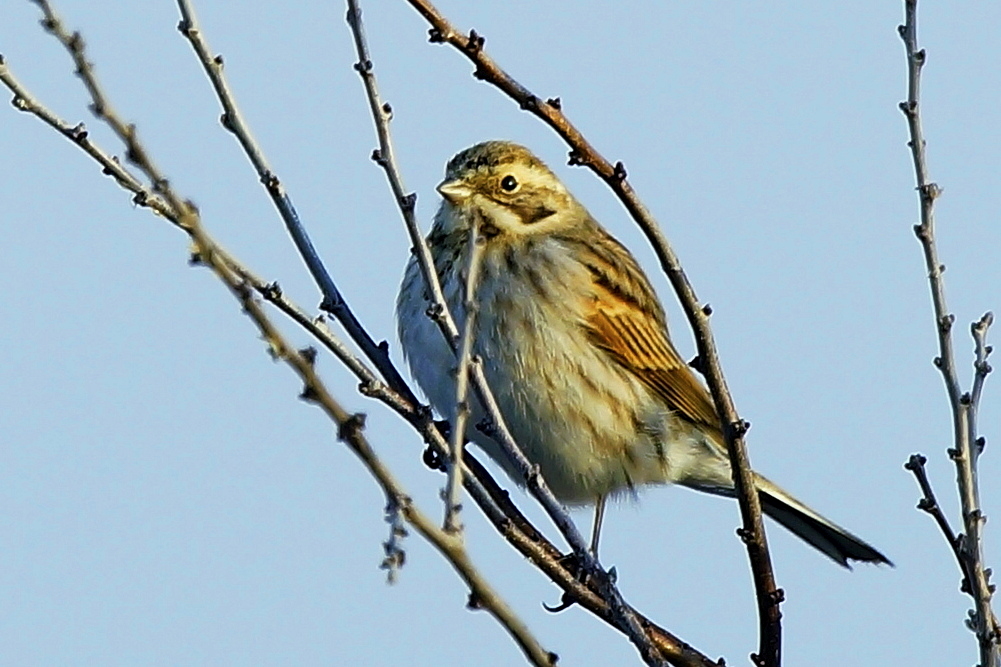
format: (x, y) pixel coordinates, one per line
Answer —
(454, 191)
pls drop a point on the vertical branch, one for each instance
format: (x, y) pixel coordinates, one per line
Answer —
(968, 547)
(462, 372)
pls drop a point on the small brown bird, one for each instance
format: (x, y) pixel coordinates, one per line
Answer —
(575, 347)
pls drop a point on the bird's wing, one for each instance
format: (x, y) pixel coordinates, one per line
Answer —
(625, 319)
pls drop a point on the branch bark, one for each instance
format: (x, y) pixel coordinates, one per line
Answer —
(967, 547)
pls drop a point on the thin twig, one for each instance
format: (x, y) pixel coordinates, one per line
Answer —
(769, 596)
(333, 302)
(928, 503)
(25, 101)
(462, 371)
(968, 547)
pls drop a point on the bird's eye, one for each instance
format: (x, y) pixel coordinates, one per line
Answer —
(509, 183)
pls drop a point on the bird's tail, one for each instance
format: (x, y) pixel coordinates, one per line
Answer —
(828, 537)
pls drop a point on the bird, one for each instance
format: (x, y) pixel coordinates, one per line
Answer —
(575, 347)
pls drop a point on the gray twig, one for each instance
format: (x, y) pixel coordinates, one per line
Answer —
(968, 547)
(231, 119)
(462, 373)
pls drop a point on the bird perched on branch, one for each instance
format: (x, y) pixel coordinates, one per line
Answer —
(575, 347)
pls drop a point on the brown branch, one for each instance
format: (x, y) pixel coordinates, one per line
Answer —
(968, 548)
(769, 596)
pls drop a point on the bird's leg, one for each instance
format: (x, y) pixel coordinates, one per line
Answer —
(599, 515)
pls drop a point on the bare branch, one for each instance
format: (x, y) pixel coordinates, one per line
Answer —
(462, 372)
(968, 547)
(232, 120)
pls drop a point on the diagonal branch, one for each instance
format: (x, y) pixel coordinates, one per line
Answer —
(232, 120)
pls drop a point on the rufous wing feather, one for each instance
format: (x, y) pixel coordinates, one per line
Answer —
(626, 320)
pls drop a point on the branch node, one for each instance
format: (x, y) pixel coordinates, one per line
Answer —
(930, 192)
(915, 461)
(698, 364)
(352, 427)
(309, 355)
(433, 460)
(436, 36)
(79, 133)
(272, 291)
(619, 172)
(707, 310)
(555, 103)
(271, 182)
(475, 42)
(369, 388)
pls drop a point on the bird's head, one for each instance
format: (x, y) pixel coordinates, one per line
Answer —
(510, 190)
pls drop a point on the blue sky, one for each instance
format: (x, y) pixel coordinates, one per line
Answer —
(166, 499)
